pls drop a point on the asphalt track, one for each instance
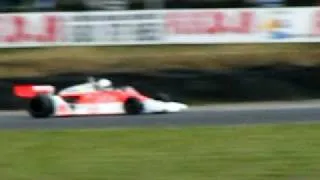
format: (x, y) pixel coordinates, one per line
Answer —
(206, 115)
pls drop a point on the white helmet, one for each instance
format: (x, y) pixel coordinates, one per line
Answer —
(104, 83)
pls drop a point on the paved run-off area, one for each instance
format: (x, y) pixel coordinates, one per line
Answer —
(227, 114)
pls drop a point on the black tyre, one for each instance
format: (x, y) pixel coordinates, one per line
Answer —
(41, 106)
(162, 97)
(133, 106)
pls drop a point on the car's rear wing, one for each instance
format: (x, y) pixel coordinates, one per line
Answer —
(30, 91)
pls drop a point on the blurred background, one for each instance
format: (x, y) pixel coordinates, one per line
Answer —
(86, 5)
(211, 72)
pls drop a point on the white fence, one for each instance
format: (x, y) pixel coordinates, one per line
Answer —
(160, 27)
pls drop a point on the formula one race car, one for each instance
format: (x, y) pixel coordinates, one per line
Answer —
(95, 97)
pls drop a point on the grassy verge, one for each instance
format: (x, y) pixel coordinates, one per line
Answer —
(39, 61)
(273, 152)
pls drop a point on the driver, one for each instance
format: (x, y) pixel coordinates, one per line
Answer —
(103, 84)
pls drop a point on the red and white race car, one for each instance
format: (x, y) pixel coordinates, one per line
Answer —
(92, 98)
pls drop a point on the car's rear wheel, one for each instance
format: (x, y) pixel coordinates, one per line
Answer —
(133, 106)
(41, 106)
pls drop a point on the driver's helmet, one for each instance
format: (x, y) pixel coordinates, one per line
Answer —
(104, 83)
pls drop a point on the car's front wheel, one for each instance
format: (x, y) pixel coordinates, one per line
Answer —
(133, 106)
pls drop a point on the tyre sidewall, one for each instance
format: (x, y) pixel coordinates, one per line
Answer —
(133, 106)
(46, 109)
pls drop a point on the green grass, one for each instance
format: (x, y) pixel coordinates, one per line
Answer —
(39, 61)
(268, 152)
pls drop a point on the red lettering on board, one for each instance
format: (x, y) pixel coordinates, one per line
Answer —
(210, 22)
(19, 24)
(316, 23)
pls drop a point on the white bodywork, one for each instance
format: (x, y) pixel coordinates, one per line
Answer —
(80, 88)
(63, 108)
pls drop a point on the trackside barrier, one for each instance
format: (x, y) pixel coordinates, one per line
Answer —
(210, 26)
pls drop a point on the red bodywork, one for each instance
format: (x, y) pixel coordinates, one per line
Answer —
(104, 96)
(91, 97)
(30, 91)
